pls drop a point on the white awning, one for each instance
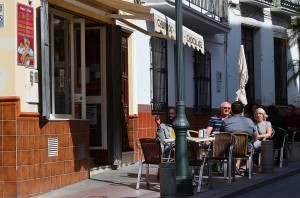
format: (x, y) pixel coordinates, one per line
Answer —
(164, 27)
(167, 26)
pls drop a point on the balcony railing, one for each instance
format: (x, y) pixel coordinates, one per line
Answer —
(217, 9)
(289, 4)
(292, 5)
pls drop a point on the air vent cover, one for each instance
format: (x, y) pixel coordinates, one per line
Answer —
(52, 146)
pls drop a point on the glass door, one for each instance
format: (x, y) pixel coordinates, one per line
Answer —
(96, 85)
(89, 70)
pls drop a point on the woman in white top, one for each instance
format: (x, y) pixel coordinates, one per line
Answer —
(264, 128)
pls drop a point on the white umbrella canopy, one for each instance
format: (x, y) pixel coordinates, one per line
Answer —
(243, 77)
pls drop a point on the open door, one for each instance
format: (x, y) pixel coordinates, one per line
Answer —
(90, 86)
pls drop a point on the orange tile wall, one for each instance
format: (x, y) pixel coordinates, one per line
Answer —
(25, 167)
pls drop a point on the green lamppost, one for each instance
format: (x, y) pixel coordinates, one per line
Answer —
(181, 125)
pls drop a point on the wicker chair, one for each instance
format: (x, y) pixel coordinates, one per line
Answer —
(241, 150)
(151, 149)
(280, 143)
(223, 151)
(196, 160)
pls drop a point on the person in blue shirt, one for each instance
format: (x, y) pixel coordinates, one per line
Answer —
(166, 131)
(238, 123)
(216, 121)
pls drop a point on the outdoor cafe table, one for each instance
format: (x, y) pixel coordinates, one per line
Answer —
(195, 139)
(200, 141)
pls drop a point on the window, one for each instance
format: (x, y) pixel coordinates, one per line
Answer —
(280, 64)
(202, 77)
(56, 48)
(159, 77)
(60, 66)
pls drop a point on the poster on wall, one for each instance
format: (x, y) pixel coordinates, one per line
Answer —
(25, 35)
(1, 15)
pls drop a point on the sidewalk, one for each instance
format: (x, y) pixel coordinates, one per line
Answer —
(122, 182)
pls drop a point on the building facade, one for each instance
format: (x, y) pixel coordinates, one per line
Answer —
(81, 81)
(261, 26)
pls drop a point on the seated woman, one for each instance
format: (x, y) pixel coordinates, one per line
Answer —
(264, 129)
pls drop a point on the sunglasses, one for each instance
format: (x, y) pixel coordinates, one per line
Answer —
(226, 108)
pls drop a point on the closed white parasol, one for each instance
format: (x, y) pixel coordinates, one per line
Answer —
(243, 77)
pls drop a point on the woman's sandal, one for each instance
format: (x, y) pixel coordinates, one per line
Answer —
(237, 170)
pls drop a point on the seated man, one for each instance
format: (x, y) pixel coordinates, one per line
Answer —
(216, 121)
(238, 123)
(292, 122)
(165, 130)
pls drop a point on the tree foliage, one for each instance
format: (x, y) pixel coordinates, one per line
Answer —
(293, 32)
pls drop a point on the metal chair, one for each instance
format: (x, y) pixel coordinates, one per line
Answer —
(280, 143)
(196, 159)
(241, 150)
(193, 133)
(223, 151)
(150, 148)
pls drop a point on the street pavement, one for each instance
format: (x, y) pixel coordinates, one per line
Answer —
(288, 187)
(122, 182)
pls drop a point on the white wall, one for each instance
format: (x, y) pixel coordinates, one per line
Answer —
(213, 43)
(189, 76)
(12, 75)
(234, 42)
(142, 66)
(266, 80)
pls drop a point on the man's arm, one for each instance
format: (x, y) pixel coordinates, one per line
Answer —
(255, 135)
(208, 131)
(255, 132)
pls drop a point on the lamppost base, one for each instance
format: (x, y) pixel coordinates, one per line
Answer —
(184, 185)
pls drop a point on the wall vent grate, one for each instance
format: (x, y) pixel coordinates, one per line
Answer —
(52, 146)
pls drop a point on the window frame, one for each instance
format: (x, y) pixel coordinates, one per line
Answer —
(48, 106)
(202, 80)
(158, 70)
(69, 64)
(280, 71)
